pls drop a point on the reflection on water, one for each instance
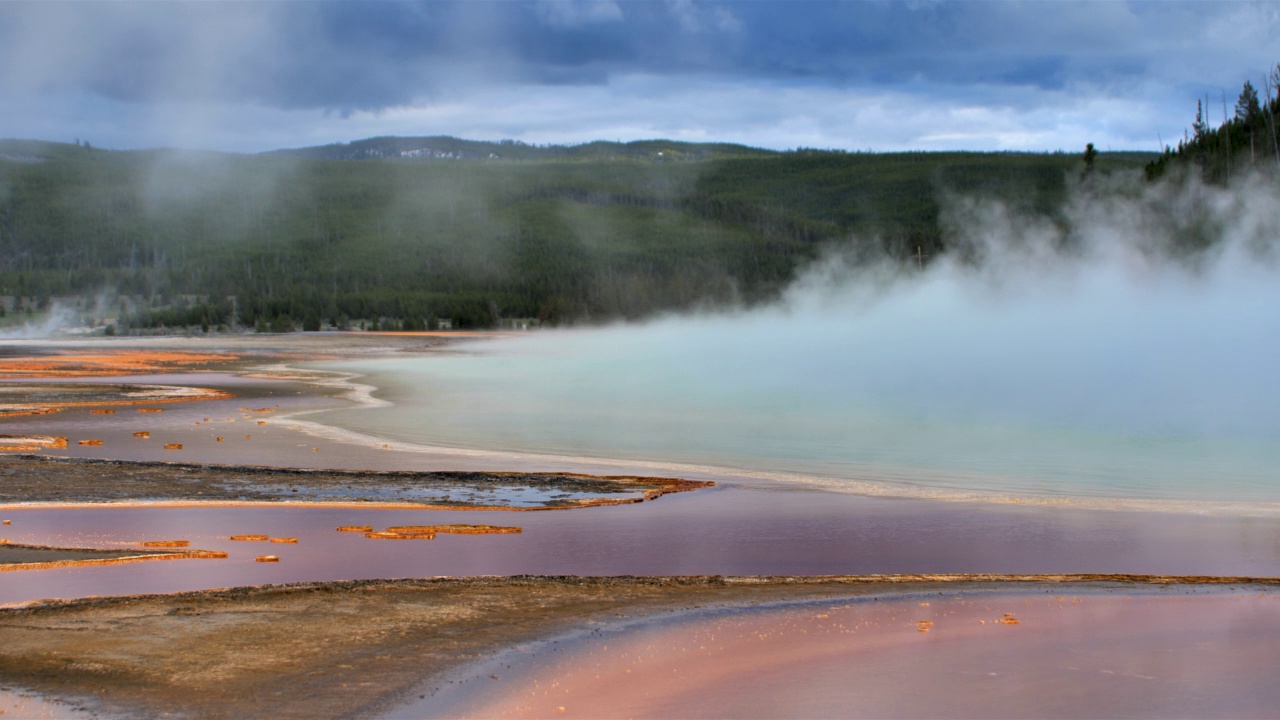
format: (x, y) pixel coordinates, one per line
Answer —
(727, 530)
(1081, 654)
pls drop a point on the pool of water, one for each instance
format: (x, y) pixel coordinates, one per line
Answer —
(1005, 407)
(729, 530)
(1055, 654)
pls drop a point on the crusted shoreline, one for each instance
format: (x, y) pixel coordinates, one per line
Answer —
(358, 648)
(38, 480)
(17, 556)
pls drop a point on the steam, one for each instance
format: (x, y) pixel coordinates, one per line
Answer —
(63, 319)
(57, 321)
(1102, 350)
(1141, 308)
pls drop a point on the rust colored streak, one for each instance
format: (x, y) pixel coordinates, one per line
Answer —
(193, 554)
(106, 363)
(457, 529)
(400, 535)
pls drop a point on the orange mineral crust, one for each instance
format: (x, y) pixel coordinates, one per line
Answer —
(20, 411)
(457, 529)
(15, 556)
(46, 398)
(400, 536)
(32, 443)
(103, 363)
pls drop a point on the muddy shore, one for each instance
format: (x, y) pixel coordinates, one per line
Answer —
(357, 649)
(37, 479)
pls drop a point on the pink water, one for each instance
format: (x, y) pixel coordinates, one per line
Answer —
(724, 530)
(1072, 655)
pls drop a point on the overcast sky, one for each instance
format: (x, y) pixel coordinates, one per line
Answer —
(252, 76)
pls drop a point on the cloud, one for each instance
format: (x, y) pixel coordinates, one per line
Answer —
(577, 13)
(314, 64)
(697, 109)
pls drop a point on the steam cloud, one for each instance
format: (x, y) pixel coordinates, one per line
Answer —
(1100, 345)
(1110, 315)
(60, 319)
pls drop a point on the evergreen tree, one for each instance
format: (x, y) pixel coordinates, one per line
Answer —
(1090, 154)
(1200, 128)
(1248, 109)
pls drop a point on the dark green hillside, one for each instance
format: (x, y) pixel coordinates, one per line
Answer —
(581, 237)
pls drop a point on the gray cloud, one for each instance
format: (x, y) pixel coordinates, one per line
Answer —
(327, 69)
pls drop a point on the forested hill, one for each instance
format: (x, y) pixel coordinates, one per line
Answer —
(560, 234)
(442, 147)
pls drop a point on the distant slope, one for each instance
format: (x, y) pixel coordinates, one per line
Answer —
(442, 147)
(588, 236)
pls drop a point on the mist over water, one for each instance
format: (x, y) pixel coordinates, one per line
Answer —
(1080, 358)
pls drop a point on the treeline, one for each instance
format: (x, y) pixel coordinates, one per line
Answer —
(274, 241)
(1247, 139)
(440, 147)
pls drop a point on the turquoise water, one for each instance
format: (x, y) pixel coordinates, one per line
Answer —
(1104, 387)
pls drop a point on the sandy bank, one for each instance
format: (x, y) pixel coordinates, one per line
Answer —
(364, 648)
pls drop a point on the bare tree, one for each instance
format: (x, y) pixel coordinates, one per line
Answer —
(1270, 82)
(1226, 133)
